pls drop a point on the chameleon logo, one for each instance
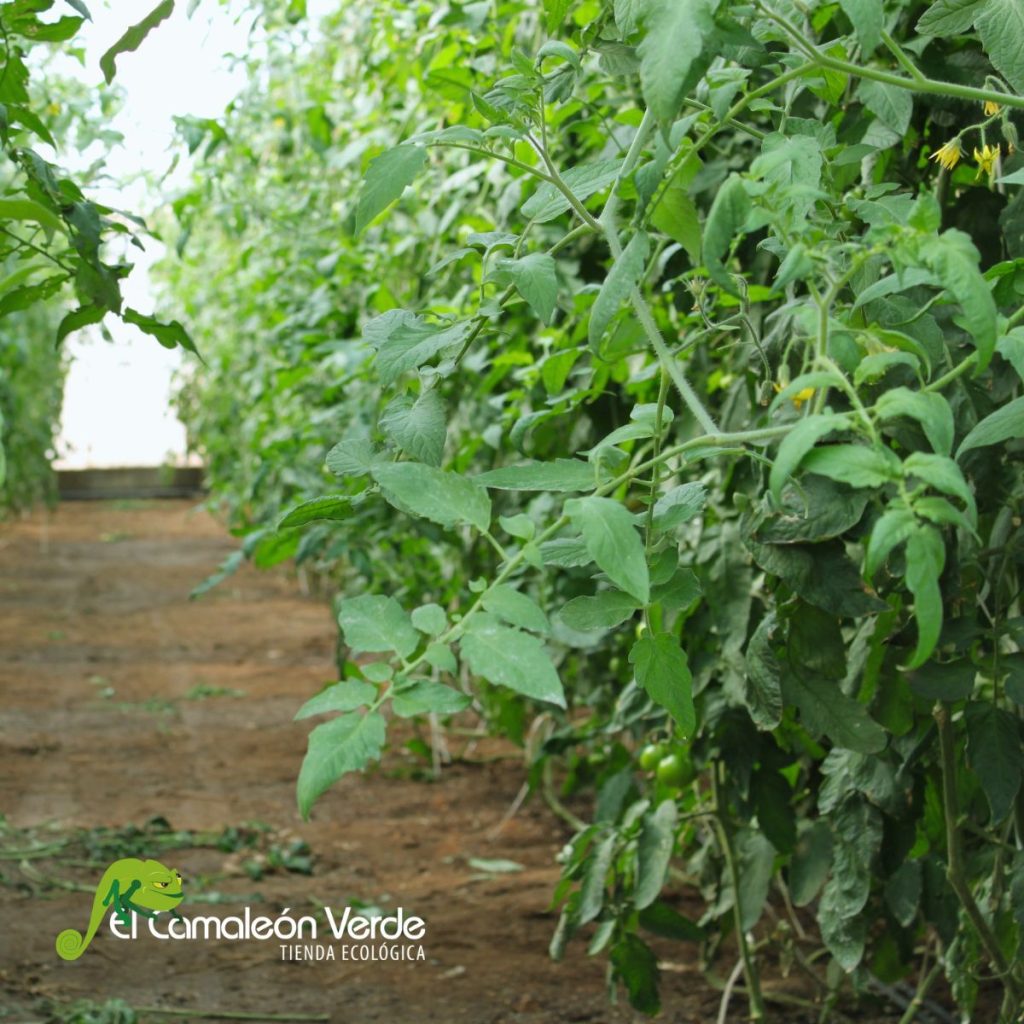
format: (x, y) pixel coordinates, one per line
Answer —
(128, 884)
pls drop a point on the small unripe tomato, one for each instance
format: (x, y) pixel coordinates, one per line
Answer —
(676, 770)
(650, 756)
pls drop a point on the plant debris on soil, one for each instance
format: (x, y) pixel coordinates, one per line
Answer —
(136, 722)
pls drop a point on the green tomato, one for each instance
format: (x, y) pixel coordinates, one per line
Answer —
(676, 770)
(650, 756)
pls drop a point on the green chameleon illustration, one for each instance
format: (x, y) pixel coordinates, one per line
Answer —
(128, 884)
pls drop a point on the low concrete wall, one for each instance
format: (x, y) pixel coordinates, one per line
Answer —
(130, 482)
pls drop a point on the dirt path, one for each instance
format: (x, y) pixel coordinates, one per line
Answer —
(122, 701)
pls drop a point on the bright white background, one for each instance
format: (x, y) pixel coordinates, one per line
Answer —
(117, 409)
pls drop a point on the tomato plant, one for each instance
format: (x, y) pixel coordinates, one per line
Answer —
(658, 359)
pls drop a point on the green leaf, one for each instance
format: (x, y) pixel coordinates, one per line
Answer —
(926, 556)
(509, 657)
(996, 755)
(674, 34)
(555, 475)
(27, 209)
(355, 456)
(824, 708)
(772, 799)
(662, 670)
(756, 857)
(604, 610)
(636, 964)
(930, 410)
(944, 475)
(764, 685)
(536, 279)
(430, 619)
(892, 105)
(346, 695)
(84, 316)
(344, 744)
(444, 498)
(373, 622)
(812, 858)
(854, 464)
(386, 179)
(796, 444)
(676, 215)
(995, 428)
(893, 527)
(169, 335)
(418, 427)
(949, 17)
(583, 180)
(818, 509)
(954, 259)
(515, 608)
(679, 505)
(405, 342)
(866, 16)
(654, 851)
(623, 277)
(133, 38)
(903, 892)
(726, 218)
(1000, 23)
(613, 542)
(554, 14)
(423, 696)
(327, 506)
(950, 681)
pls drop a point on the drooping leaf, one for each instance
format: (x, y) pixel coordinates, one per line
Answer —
(1000, 23)
(583, 181)
(867, 21)
(344, 744)
(999, 426)
(328, 506)
(662, 670)
(618, 285)
(386, 179)
(535, 277)
(949, 17)
(133, 38)
(169, 335)
(726, 218)
(417, 426)
(825, 709)
(930, 410)
(654, 851)
(346, 695)
(613, 542)
(996, 755)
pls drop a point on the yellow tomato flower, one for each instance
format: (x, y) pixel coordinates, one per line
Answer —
(948, 156)
(986, 157)
(799, 398)
(991, 108)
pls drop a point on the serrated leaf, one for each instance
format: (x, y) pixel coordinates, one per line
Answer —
(613, 542)
(346, 695)
(623, 277)
(430, 619)
(344, 744)
(949, 17)
(854, 464)
(444, 498)
(169, 335)
(583, 181)
(825, 709)
(812, 858)
(764, 685)
(726, 218)
(535, 277)
(662, 670)
(84, 316)
(509, 657)
(354, 456)
(133, 38)
(516, 608)
(604, 610)
(673, 38)
(417, 426)
(424, 696)
(385, 180)
(373, 623)
(866, 18)
(406, 342)
(892, 105)
(1000, 23)
(679, 505)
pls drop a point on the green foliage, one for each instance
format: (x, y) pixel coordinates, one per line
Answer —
(636, 359)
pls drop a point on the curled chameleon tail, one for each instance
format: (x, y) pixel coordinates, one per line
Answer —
(72, 944)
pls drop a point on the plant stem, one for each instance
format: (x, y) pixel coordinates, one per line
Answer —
(231, 1015)
(955, 867)
(924, 985)
(725, 840)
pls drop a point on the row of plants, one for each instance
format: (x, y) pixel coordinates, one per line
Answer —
(62, 256)
(645, 376)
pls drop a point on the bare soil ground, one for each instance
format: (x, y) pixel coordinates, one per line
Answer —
(123, 701)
